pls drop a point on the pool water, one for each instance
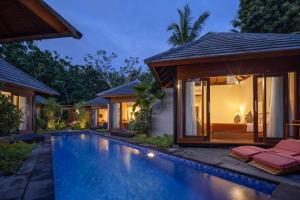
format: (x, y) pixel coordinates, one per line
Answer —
(89, 166)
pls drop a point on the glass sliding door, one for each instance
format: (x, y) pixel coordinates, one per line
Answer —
(274, 107)
(23, 106)
(194, 104)
(270, 106)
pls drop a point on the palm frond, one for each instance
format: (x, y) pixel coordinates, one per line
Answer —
(197, 27)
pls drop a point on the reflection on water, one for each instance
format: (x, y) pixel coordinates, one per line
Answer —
(93, 167)
(103, 144)
(82, 136)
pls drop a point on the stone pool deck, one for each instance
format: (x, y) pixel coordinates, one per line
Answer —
(35, 178)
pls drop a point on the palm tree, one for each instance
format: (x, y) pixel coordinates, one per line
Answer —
(184, 32)
(147, 95)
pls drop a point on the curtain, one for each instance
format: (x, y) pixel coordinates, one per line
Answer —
(116, 115)
(275, 128)
(95, 116)
(190, 111)
(23, 107)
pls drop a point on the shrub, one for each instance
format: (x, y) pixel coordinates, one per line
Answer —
(60, 125)
(81, 116)
(76, 126)
(10, 117)
(12, 156)
(51, 112)
(140, 123)
(41, 123)
(160, 141)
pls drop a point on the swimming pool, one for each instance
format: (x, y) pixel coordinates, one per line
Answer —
(89, 166)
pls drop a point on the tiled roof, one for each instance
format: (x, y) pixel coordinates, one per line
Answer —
(40, 100)
(222, 44)
(11, 74)
(122, 90)
(98, 101)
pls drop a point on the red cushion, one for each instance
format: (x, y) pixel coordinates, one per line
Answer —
(283, 151)
(274, 160)
(289, 145)
(246, 151)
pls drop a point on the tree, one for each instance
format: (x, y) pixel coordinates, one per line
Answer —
(185, 32)
(75, 83)
(52, 113)
(103, 63)
(10, 117)
(133, 70)
(268, 16)
(147, 95)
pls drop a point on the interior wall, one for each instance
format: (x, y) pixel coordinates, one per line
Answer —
(127, 112)
(227, 100)
(102, 115)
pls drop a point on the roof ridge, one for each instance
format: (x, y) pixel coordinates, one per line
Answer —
(173, 49)
(118, 87)
(226, 43)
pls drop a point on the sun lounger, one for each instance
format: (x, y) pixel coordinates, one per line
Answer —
(284, 147)
(287, 147)
(276, 164)
(245, 153)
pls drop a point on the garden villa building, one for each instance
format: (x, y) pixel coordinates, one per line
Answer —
(98, 108)
(121, 100)
(22, 20)
(22, 89)
(240, 88)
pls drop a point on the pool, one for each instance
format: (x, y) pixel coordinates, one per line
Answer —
(89, 166)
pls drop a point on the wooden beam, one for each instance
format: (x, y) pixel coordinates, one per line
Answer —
(243, 67)
(34, 37)
(36, 7)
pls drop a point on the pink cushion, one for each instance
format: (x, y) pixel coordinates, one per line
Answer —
(289, 145)
(246, 151)
(283, 151)
(274, 160)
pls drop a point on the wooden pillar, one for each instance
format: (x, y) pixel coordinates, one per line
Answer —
(110, 111)
(296, 132)
(175, 109)
(121, 113)
(33, 113)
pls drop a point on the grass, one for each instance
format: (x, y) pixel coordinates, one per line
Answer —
(101, 130)
(159, 141)
(44, 131)
(12, 156)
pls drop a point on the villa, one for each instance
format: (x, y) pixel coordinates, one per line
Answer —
(222, 89)
(99, 112)
(28, 20)
(121, 100)
(22, 89)
(233, 88)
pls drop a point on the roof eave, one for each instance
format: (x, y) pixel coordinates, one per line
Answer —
(54, 93)
(223, 57)
(73, 31)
